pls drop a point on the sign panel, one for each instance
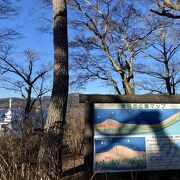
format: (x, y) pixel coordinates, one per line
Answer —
(135, 137)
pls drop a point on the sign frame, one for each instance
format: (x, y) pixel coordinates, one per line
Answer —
(90, 100)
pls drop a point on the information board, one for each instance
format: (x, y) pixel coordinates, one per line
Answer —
(133, 137)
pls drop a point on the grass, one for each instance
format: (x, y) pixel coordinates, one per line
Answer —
(124, 164)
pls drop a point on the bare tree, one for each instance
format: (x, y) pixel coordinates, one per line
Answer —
(7, 10)
(165, 65)
(51, 151)
(109, 40)
(24, 78)
(168, 8)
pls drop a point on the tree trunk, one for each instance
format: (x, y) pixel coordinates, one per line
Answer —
(27, 124)
(28, 102)
(51, 150)
(167, 79)
(128, 90)
(173, 83)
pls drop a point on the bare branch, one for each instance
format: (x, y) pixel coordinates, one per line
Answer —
(166, 14)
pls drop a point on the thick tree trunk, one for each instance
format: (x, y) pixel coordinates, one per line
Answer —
(51, 151)
(128, 89)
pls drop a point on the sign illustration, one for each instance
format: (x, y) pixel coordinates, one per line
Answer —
(136, 137)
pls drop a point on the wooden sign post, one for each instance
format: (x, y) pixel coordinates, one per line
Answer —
(135, 130)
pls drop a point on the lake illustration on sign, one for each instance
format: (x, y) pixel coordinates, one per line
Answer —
(120, 153)
(134, 121)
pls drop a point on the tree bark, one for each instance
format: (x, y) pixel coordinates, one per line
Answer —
(28, 102)
(172, 5)
(167, 79)
(51, 151)
(166, 64)
(128, 90)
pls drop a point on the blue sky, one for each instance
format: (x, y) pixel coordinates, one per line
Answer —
(28, 24)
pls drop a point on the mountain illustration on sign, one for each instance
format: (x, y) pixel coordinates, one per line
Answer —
(136, 121)
(118, 153)
(123, 153)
